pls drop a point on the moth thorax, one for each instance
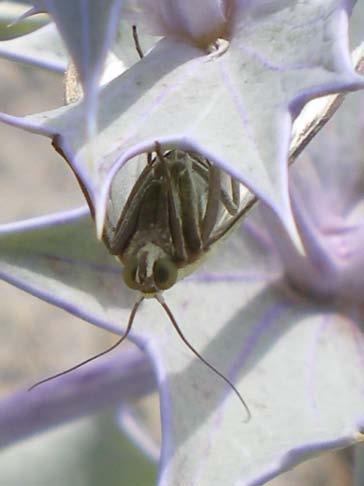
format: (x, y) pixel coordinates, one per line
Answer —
(150, 270)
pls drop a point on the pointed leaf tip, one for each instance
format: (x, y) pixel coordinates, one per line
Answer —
(99, 219)
(286, 216)
(87, 30)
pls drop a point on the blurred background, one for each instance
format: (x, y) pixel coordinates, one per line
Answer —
(38, 339)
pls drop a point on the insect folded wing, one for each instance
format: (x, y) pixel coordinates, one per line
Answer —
(177, 208)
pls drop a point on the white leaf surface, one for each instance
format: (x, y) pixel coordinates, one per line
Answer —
(297, 363)
(234, 106)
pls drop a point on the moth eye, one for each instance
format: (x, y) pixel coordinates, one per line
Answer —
(165, 273)
(129, 273)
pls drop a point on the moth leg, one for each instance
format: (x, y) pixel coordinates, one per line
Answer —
(200, 161)
(126, 225)
(213, 204)
(230, 196)
(232, 203)
(235, 188)
(190, 208)
(174, 209)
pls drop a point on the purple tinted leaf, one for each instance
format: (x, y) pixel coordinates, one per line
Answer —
(327, 189)
(243, 319)
(215, 103)
(59, 259)
(87, 28)
(104, 383)
(275, 342)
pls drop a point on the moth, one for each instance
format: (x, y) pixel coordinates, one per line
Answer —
(176, 211)
(179, 207)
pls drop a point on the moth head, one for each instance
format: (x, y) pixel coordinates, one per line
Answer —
(150, 270)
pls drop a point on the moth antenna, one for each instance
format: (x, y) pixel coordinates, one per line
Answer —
(162, 302)
(119, 341)
(136, 42)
